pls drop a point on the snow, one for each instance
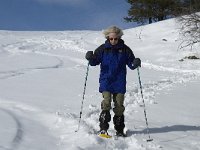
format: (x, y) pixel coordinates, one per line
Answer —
(42, 77)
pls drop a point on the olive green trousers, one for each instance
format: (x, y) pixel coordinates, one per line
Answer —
(118, 100)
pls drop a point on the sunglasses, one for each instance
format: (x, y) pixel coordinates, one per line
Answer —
(115, 39)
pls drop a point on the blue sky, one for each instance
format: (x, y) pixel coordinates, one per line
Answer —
(62, 14)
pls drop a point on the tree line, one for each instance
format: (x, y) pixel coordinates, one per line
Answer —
(187, 13)
(148, 11)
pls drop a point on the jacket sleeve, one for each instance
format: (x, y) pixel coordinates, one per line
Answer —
(130, 58)
(96, 60)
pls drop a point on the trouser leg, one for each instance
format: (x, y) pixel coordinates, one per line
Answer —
(118, 118)
(105, 116)
(119, 104)
(106, 103)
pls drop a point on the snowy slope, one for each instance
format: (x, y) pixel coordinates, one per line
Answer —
(41, 85)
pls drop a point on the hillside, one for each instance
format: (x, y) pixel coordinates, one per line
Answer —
(41, 85)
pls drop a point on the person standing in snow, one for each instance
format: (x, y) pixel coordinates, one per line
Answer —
(113, 56)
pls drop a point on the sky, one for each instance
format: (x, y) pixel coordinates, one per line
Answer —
(63, 14)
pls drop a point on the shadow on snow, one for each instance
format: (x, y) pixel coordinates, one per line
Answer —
(174, 128)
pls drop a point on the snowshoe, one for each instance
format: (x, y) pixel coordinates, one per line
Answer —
(104, 134)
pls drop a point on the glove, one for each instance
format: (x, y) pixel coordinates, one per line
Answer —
(137, 62)
(89, 55)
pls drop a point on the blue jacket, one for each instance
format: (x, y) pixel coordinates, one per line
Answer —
(113, 61)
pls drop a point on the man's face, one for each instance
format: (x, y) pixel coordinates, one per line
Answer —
(113, 38)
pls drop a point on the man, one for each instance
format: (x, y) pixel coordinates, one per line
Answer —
(113, 56)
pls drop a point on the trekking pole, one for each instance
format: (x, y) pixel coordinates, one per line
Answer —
(83, 97)
(145, 114)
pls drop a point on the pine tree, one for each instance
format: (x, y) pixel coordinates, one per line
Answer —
(143, 11)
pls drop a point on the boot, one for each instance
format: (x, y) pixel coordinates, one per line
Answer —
(119, 125)
(104, 119)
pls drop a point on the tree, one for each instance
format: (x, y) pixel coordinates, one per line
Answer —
(143, 11)
(190, 24)
(190, 29)
(138, 12)
(186, 7)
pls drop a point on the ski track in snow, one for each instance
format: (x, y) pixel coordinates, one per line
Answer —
(14, 73)
(18, 137)
(21, 47)
(89, 122)
(177, 76)
(22, 130)
(12, 109)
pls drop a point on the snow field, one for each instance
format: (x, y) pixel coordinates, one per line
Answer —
(41, 84)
